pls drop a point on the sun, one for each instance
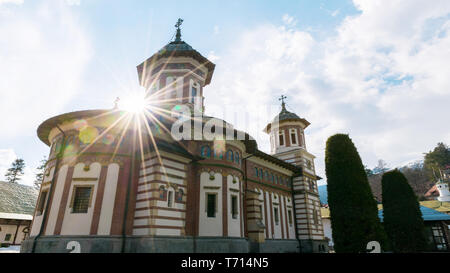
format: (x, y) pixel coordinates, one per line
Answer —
(135, 103)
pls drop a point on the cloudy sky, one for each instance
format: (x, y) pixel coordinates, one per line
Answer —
(377, 70)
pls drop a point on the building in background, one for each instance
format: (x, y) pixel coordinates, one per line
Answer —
(16, 212)
(122, 182)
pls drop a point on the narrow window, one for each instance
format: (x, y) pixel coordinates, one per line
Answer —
(193, 93)
(211, 210)
(261, 211)
(82, 196)
(290, 217)
(256, 172)
(41, 205)
(234, 207)
(293, 137)
(281, 137)
(169, 199)
(237, 158)
(275, 212)
(7, 237)
(261, 174)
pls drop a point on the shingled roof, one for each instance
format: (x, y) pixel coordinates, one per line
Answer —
(17, 198)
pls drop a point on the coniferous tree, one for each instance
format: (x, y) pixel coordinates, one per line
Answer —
(403, 221)
(13, 175)
(353, 209)
(437, 160)
(40, 173)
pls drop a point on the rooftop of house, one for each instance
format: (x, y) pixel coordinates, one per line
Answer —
(15, 216)
(428, 214)
(17, 199)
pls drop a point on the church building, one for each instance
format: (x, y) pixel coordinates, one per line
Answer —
(121, 181)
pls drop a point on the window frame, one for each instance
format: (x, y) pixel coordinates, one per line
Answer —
(292, 132)
(234, 206)
(91, 194)
(170, 198)
(281, 138)
(276, 216)
(216, 197)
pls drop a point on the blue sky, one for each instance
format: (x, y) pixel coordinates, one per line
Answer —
(377, 70)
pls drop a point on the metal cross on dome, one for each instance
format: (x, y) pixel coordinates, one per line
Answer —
(179, 23)
(282, 98)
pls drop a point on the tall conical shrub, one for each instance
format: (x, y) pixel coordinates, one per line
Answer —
(353, 209)
(403, 221)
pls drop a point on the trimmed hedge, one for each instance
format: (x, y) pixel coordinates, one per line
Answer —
(401, 213)
(353, 209)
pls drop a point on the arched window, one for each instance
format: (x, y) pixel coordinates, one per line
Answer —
(261, 174)
(256, 172)
(194, 91)
(237, 157)
(230, 156)
(206, 151)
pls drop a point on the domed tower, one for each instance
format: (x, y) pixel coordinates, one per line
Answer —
(176, 74)
(287, 139)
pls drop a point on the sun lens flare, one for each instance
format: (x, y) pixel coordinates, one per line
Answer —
(134, 103)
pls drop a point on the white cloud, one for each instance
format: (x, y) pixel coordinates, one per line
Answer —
(44, 54)
(213, 57)
(7, 156)
(15, 2)
(383, 78)
(73, 2)
(289, 20)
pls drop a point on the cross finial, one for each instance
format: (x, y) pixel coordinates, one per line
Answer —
(283, 104)
(178, 25)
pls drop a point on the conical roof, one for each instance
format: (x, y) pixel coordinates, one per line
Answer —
(285, 115)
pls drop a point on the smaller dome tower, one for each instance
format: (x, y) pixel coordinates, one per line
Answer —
(286, 131)
(176, 74)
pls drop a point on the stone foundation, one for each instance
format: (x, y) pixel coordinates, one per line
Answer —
(166, 244)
